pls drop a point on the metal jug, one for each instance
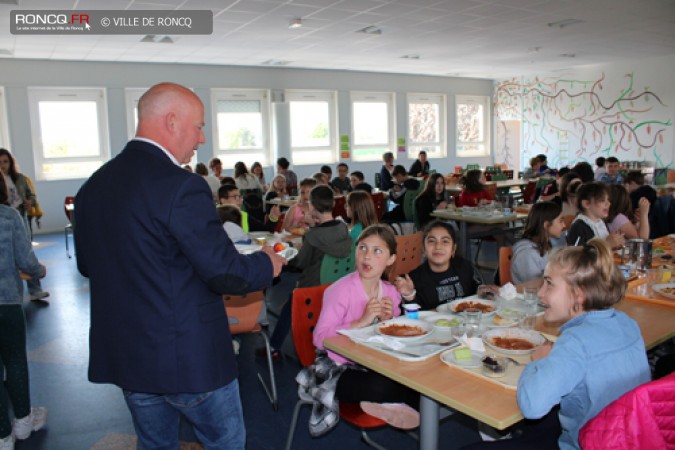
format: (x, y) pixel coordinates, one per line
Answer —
(639, 254)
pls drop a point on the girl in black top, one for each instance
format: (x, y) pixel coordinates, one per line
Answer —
(443, 277)
(432, 197)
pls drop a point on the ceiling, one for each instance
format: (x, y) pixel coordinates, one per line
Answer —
(466, 38)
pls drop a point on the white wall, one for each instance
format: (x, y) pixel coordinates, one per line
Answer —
(624, 110)
(17, 75)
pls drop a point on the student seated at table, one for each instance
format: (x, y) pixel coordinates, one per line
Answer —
(386, 177)
(358, 300)
(533, 170)
(403, 183)
(421, 166)
(277, 189)
(621, 217)
(600, 171)
(361, 212)
(593, 205)
(358, 182)
(475, 193)
(244, 179)
(228, 194)
(230, 217)
(612, 176)
(342, 183)
(636, 187)
(299, 215)
(328, 237)
(530, 254)
(431, 198)
(291, 178)
(443, 276)
(598, 357)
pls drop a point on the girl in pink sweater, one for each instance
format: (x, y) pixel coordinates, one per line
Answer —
(358, 300)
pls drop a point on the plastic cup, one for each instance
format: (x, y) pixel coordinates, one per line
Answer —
(412, 310)
(625, 270)
(472, 318)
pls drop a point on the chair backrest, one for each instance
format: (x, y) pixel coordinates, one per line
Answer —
(378, 180)
(339, 207)
(492, 190)
(68, 201)
(332, 268)
(505, 254)
(459, 169)
(488, 176)
(409, 249)
(567, 220)
(243, 311)
(280, 223)
(508, 173)
(490, 169)
(379, 204)
(499, 177)
(472, 166)
(305, 312)
(662, 217)
(530, 190)
(409, 203)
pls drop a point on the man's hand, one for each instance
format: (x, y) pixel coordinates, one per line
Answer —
(278, 261)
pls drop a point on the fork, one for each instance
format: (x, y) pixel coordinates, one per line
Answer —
(516, 363)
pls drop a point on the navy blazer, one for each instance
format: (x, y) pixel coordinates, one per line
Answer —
(149, 239)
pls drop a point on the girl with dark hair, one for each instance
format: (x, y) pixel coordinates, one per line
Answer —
(361, 210)
(16, 255)
(569, 183)
(621, 217)
(443, 277)
(530, 254)
(432, 197)
(257, 171)
(474, 192)
(598, 357)
(245, 180)
(358, 300)
(593, 204)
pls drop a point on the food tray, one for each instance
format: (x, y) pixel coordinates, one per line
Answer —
(509, 380)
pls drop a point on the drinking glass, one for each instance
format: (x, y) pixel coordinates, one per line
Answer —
(472, 317)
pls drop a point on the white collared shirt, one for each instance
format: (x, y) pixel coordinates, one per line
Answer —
(166, 152)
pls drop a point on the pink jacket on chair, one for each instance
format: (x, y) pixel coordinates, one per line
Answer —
(643, 418)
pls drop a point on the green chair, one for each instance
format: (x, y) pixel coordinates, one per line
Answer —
(490, 169)
(499, 177)
(332, 268)
(472, 166)
(409, 203)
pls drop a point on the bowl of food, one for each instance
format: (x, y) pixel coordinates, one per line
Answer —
(487, 307)
(513, 341)
(494, 366)
(404, 329)
(443, 322)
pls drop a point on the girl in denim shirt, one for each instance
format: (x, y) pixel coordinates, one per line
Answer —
(16, 254)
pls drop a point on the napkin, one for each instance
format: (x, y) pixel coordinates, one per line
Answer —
(367, 335)
(508, 291)
(473, 343)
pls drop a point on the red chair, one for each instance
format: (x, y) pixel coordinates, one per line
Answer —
(68, 208)
(380, 204)
(505, 255)
(304, 316)
(530, 190)
(339, 207)
(280, 223)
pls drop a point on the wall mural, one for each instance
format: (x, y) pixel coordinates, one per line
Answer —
(574, 120)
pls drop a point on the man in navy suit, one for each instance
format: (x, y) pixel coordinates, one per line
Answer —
(158, 261)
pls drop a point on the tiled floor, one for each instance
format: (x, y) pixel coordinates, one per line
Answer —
(83, 415)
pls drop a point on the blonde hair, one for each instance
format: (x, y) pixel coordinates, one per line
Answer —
(590, 268)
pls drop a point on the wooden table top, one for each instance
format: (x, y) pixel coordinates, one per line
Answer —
(485, 401)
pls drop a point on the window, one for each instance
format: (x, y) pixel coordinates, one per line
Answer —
(70, 132)
(427, 125)
(313, 118)
(241, 130)
(473, 125)
(132, 95)
(373, 125)
(4, 129)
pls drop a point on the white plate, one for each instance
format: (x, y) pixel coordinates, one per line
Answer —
(507, 318)
(432, 318)
(288, 253)
(425, 326)
(450, 307)
(660, 289)
(448, 357)
(247, 249)
(532, 336)
(260, 234)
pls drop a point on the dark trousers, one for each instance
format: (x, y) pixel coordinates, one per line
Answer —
(13, 360)
(363, 385)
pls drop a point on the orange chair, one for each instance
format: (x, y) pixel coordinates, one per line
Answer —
(243, 312)
(304, 316)
(409, 249)
(339, 207)
(379, 203)
(505, 254)
(567, 220)
(68, 205)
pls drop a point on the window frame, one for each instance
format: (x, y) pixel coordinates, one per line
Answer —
(262, 95)
(65, 94)
(374, 97)
(413, 148)
(131, 97)
(483, 100)
(330, 97)
(4, 125)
